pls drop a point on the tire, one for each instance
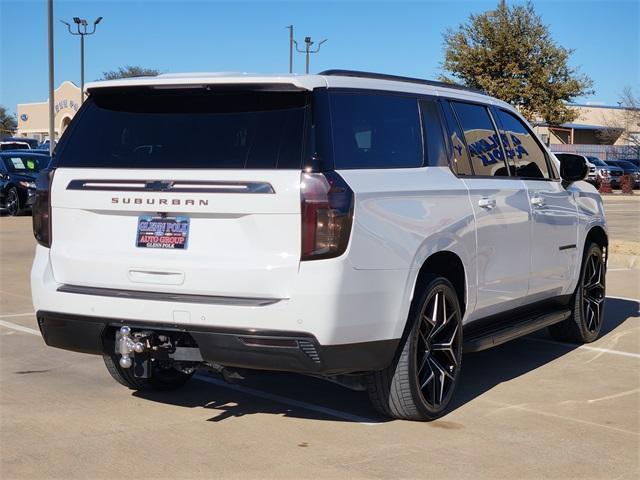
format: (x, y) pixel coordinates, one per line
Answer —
(420, 382)
(13, 203)
(161, 378)
(585, 322)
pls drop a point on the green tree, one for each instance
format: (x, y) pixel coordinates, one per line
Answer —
(129, 71)
(509, 53)
(8, 123)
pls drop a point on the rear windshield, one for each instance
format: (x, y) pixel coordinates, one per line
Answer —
(14, 146)
(187, 129)
(597, 161)
(626, 164)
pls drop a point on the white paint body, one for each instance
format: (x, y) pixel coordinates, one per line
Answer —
(249, 245)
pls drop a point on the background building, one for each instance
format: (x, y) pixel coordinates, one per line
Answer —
(33, 118)
(607, 132)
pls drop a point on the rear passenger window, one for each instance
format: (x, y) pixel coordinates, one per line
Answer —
(459, 155)
(524, 152)
(482, 139)
(433, 135)
(375, 131)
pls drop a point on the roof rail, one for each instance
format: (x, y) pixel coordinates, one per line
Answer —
(398, 78)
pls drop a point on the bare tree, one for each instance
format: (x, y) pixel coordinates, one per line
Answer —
(625, 124)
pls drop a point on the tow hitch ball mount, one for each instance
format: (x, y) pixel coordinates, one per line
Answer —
(126, 346)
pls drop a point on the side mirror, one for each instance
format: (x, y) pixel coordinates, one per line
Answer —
(573, 168)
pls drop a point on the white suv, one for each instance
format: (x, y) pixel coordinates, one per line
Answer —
(361, 227)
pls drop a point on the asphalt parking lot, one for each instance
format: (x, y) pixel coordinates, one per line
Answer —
(623, 216)
(532, 408)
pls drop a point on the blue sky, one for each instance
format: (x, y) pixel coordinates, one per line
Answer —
(403, 38)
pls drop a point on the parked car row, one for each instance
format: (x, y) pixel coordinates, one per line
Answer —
(628, 168)
(599, 170)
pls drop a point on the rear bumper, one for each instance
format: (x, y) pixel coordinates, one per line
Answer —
(329, 299)
(241, 348)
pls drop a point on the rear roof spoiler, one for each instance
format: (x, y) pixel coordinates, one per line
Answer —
(217, 87)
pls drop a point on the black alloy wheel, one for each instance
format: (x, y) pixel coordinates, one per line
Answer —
(593, 291)
(585, 322)
(13, 202)
(437, 348)
(421, 381)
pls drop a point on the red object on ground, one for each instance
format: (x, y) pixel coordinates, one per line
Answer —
(626, 184)
(604, 185)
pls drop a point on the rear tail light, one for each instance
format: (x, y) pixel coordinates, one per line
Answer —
(41, 215)
(327, 214)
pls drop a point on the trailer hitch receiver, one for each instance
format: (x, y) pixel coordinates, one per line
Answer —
(126, 346)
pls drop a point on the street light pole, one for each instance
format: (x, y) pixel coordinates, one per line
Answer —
(307, 50)
(52, 132)
(81, 68)
(81, 29)
(290, 27)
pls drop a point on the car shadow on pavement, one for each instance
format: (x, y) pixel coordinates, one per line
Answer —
(228, 402)
(481, 372)
(484, 370)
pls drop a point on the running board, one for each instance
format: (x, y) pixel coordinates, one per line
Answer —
(504, 333)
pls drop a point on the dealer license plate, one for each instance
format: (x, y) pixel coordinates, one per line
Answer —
(162, 232)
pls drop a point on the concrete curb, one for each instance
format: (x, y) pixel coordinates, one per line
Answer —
(619, 260)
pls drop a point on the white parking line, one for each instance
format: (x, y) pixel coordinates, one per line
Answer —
(17, 315)
(578, 346)
(20, 328)
(288, 401)
(627, 299)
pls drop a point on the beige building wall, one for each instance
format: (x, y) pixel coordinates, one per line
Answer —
(33, 118)
(604, 116)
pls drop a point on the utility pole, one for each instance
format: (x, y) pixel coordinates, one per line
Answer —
(81, 30)
(290, 27)
(52, 131)
(307, 50)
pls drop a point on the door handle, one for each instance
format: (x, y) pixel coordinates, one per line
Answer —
(487, 203)
(537, 201)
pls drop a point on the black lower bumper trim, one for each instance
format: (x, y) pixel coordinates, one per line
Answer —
(240, 348)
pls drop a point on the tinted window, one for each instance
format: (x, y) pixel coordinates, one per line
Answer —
(522, 149)
(459, 155)
(188, 129)
(375, 131)
(626, 165)
(433, 135)
(14, 146)
(597, 161)
(482, 139)
(23, 164)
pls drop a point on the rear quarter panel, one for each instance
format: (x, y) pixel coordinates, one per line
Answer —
(402, 216)
(590, 214)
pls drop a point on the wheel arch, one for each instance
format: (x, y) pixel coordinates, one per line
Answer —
(448, 265)
(598, 235)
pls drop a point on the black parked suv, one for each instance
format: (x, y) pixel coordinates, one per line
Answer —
(18, 171)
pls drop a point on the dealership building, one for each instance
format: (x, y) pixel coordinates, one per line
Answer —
(33, 118)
